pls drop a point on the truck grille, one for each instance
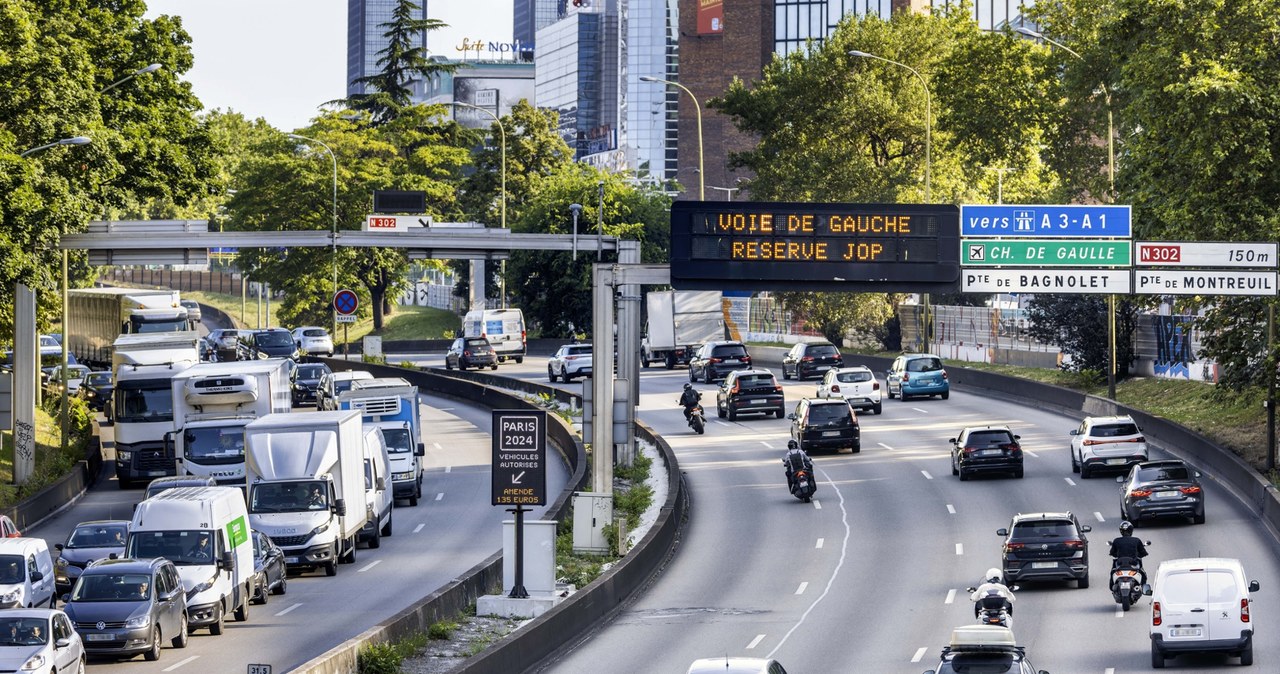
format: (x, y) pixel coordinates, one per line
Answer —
(289, 541)
(377, 406)
(154, 459)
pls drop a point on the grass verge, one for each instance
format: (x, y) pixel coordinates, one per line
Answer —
(52, 463)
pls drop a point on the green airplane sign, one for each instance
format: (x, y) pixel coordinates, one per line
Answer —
(1045, 253)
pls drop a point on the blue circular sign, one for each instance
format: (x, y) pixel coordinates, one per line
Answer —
(345, 302)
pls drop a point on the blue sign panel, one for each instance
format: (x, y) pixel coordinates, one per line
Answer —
(1048, 220)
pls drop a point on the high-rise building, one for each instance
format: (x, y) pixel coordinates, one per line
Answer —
(796, 21)
(530, 16)
(366, 37)
(652, 122)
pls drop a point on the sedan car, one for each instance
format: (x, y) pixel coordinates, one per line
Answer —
(1155, 489)
(87, 543)
(194, 314)
(749, 392)
(39, 641)
(271, 343)
(986, 449)
(857, 385)
(811, 359)
(305, 380)
(269, 575)
(313, 341)
(825, 423)
(124, 607)
(74, 378)
(569, 361)
(1046, 546)
(468, 352)
(1101, 443)
(96, 389)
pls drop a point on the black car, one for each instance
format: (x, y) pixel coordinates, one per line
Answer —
(1046, 546)
(87, 543)
(269, 575)
(811, 359)
(715, 360)
(272, 343)
(749, 392)
(303, 381)
(825, 423)
(123, 607)
(983, 648)
(1155, 489)
(986, 449)
(96, 389)
(468, 352)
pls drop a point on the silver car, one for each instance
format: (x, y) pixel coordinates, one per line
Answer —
(857, 385)
(39, 641)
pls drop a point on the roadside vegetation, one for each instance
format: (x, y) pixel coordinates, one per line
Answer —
(405, 323)
(52, 463)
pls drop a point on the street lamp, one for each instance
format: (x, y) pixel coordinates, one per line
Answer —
(333, 235)
(74, 140)
(502, 130)
(727, 190)
(697, 108)
(141, 71)
(576, 208)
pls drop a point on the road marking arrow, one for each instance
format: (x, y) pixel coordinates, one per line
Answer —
(515, 479)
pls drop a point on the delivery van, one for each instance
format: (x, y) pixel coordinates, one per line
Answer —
(1201, 605)
(26, 573)
(504, 328)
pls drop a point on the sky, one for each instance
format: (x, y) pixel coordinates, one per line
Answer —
(281, 59)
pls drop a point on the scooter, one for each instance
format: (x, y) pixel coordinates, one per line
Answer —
(803, 486)
(1126, 581)
(994, 609)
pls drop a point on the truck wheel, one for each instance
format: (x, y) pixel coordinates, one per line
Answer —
(216, 628)
(375, 540)
(350, 557)
(386, 530)
(242, 611)
(671, 361)
(644, 361)
(413, 499)
(519, 360)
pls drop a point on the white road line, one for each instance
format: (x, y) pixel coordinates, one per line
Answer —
(884, 445)
(179, 663)
(920, 410)
(817, 505)
(959, 548)
(447, 469)
(439, 496)
(289, 609)
(951, 509)
(437, 445)
(1109, 670)
(926, 475)
(370, 565)
(919, 655)
(1031, 454)
(419, 527)
(951, 596)
(1100, 517)
(720, 422)
(802, 588)
(769, 446)
(820, 542)
(755, 642)
(1119, 611)
(1070, 481)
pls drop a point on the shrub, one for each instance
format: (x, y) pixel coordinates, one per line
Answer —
(379, 659)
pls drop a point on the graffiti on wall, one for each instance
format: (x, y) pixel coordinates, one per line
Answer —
(1174, 356)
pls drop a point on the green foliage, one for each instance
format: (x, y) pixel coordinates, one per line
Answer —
(1078, 324)
(637, 472)
(382, 658)
(402, 62)
(407, 365)
(441, 630)
(1235, 337)
(633, 502)
(370, 358)
(838, 314)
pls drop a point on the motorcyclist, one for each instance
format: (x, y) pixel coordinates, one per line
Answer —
(1128, 547)
(689, 399)
(992, 593)
(795, 459)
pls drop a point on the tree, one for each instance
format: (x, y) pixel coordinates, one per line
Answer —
(402, 63)
(837, 315)
(1078, 324)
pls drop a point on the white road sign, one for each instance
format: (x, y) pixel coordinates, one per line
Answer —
(1197, 254)
(1204, 282)
(1070, 281)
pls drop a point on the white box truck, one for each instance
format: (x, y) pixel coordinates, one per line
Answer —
(212, 403)
(99, 315)
(305, 475)
(141, 407)
(504, 328)
(679, 321)
(391, 404)
(204, 531)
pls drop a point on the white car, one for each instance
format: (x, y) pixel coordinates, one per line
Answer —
(75, 375)
(1106, 443)
(194, 314)
(857, 385)
(39, 641)
(313, 340)
(572, 360)
(333, 384)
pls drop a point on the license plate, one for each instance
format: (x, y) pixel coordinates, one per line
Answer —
(290, 560)
(831, 434)
(1044, 565)
(731, 360)
(1184, 632)
(155, 473)
(99, 637)
(1117, 462)
(990, 452)
(761, 401)
(1166, 494)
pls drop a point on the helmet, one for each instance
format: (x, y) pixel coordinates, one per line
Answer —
(993, 575)
(792, 444)
(1126, 529)
(687, 386)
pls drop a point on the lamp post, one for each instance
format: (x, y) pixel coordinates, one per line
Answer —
(576, 208)
(928, 159)
(333, 235)
(727, 190)
(1111, 184)
(697, 108)
(503, 207)
(140, 71)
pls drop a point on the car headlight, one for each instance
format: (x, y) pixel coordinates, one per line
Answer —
(136, 622)
(60, 563)
(124, 455)
(11, 596)
(320, 529)
(33, 663)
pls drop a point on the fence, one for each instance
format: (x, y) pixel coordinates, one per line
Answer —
(229, 283)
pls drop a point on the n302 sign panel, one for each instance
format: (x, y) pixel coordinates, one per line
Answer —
(804, 246)
(1047, 220)
(1186, 254)
(519, 457)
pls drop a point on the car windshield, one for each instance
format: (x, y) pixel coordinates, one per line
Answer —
(213, 444)
(12, 569)
(112, 587)
(988, 439)
(398, 441)
(24, 631)
(1044, 529)
(309, 372)
(97, 378)
(180, 547)
(98, 536)
(924, 365)
(980, 663)
(273, 339)
(315, 332)
(729, 351)
(289, 497)
(1113, 430)
(829, 415)
(821, 351)
(1155, 474)
(853, 377)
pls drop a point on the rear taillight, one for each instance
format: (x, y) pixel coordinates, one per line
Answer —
(1140, 493)
(808, 359)
(905, 377)
(944, 375)
(835, 388)
(1155, 613)
(875, 386)
(713, 360)
(466, 353)
(1190, 490)
(970, 450)
(1074, 544)
(1009, 547)
(746, 359)
(1244, 610)
(736, 387)
(777, 388)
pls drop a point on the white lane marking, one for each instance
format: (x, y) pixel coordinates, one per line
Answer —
(951, 509)
(959, 548)
(370, 565)
(919, 654)
(817, 505)
(437, 445)
(920, 410)
(1031, 454)
(1100, 517)
(419, 527)
(289, 609)
(179, 663)
(448, 469)
(884, 445)
(755, 642)
(439, 496)
(951, 596)
(768, 446)
(722, 423)
(1070, 481)
(820, 542)
(1109, 670)
(926, 475)
(1119, 611)
(802, 588)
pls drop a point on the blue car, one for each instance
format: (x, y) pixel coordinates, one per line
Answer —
(917, 374)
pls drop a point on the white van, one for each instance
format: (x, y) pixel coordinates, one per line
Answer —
(504, 328)
(378, 492)
(204, 531)
(26, 573)
(1201, 605)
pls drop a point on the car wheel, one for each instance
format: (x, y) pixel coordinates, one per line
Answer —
(153, 653)
(964, 475)
(386, 530)
(781, 413)
(706, 376)
(1018, 473)
(945, 395)
(242, 612)
(375, 541)
(877, 408)
(180, 641)
(1085, 473)
(857, 447)
(447, 364)
(1083, 583)
(80, 665)
(567, 378)
(1157, 658)
(331, 567)
(902, 395)
(1075, 465)
(1198, 518)
(889, 390)
(691, 373)
(785, 375)
(551, 375)
(719, 411)
(283, 587)
(493, 367)
(954, 470)
(733, 414)
(266, 590)
(519, 359)
(218, 619)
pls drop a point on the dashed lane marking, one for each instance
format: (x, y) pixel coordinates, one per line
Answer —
(951, 509)
(1100, 517)
(1070, 481)
(419, 527)
(289, 609)
(820, 542)
(180, 663)
(755, 642)
(951, 596)
(926, 475)
(802, 588)
(959, 548)
(884, 445)
(370, 565)
(919, 655)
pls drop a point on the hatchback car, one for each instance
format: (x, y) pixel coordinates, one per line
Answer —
(569, 361)
(96, 389)
(86, 544)
(39, 641)
(271, 343)
(825, 423)
(811, 359)
(1106, 443)
(269, 575)
(715, 360)
(750, 392)
(74, 378)
(983, 648)
(228, 344)
(194, 314)
(1045, 546)
(1155, 489)
(333, 384)
(123, 607)
(313, 341)
(857, 385)
(986, 449)
(917, 374)
(468, 352)
(305, 380)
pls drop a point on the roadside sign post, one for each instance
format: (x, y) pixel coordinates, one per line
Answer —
(345, 302)
(519, 473)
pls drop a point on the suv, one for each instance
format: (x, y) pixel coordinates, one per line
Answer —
(983, 648)
(194, 314)
(749, 392)
(272, 343)
(226, 344)
(917, 374)
(304, 381)
(129, 606)
(986, 449)
(333, 384)
(468, 352)
(715, 360)
(1161, 489)
(313, 340)
(825, 423)
(857, 385)
(1046, 546)
(571, 360)
(1106, 442)
(808, 359)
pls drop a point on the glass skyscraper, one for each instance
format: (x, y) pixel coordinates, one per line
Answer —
(651, 107)
(796, 21)
(365, 38)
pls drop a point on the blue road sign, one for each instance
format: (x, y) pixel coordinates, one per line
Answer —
(1049, 220)
(345, 302)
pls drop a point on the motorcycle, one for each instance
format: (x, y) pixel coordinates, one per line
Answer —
(1126, 582)
(803, 486)
(697, 420)
(993, 609)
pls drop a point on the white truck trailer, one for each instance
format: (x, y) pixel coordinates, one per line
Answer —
(141, 409)
(99, 315)
(306, 490)
(213, 402)
(391, 403)
(679, 321)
